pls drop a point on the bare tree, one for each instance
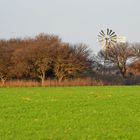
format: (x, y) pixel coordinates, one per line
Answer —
(71, 60)
(119, 56)
(42, 55)
(35, 56)
(5, 60)
(136, 50)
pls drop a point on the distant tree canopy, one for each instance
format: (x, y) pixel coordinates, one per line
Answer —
(46, 56)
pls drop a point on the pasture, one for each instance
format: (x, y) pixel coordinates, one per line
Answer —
(70, 113)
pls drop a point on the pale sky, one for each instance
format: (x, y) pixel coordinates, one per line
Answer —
(74, 21)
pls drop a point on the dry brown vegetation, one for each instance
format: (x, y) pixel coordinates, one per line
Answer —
(53, 83)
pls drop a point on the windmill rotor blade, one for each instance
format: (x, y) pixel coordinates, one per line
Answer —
(102, 32)
(103, 46)
(112, 44)
(114, 41)
(112, 33)
(108, 31)
(100, 36)
(114, 36)
(101, 41)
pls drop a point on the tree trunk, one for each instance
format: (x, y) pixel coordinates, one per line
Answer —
(60, 79)
(123, 72)
(42, 77)
(3, 81)
(42, 81)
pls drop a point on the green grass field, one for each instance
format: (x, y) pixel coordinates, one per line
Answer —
(70, 113)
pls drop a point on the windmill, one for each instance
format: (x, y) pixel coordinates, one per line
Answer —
(107, 39)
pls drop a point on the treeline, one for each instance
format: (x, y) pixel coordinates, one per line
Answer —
(47, 57)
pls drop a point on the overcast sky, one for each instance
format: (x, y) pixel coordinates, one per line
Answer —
(73, 20)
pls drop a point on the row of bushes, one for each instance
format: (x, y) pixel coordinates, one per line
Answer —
(42, 57)
(53, 83)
